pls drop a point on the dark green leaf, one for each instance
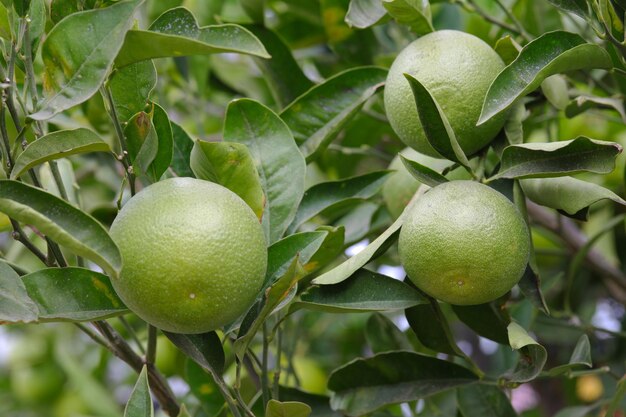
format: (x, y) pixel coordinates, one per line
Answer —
(488, 320)
(283, 74)
(163, 129)
(568, 194)
(478, 400)
(431, 328)
(140, 402)
(364, 13)
(229, 164)
(62, 222)
(204, 388)
(142, 142)
(60, 9)
(316, 117)
(280, 164)
(254, 9)
(319, 403)
(422, 173)
(436, 127)
(176, 33)
(15, 304)
(583, 103)
(287, 409)
(73, 294)
(183, 145)
(331, 248)
(413, 13)
(57, 145)
(364, 291)
(334, 194)
(552, 53)
(581, 357)
(363, 385)
(131, 87)
(530, 284)
(532, 355)
(578, 7)
(205, 349)
(282, 253)
(78, 54)
(555, 159)
(383, 335)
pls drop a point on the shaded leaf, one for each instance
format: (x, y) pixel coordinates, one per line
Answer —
(331, 248)
(229, 164)
(422, 173)
(507, 48)
(205, 349)
(280, 164)
(555, 89)
(552, 53)
(131, 87)
(431, 328)
(78, 54)
(583, 103)
(334, 194)
(282, 253)
(555, 159)
(532, 355)
(176, 33)
(413, 13)
(72, 294)
(57, 145)
(363, 385)
(581, 357)
(140, 402)
(578, 7)
(383, 335)
(478, 400)
(435, 124)
(164, 154)
(15, 304)
(568, 194)
(364, 13)
(364, 291)
(530, 285)
(62, 222)
(487, 320)
(183, 144)
(316, 117)
(287, 409)
(183, 411)
(319, 403)
(142, 142)
(204, 388)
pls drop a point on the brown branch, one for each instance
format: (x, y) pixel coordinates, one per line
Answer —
(613, 277)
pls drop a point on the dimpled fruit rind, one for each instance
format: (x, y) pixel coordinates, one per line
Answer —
(194, 255)
(457, 69)
(464, 243)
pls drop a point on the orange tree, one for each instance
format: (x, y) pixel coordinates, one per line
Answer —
(281, 262)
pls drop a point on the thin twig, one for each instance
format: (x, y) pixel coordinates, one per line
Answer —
(152, 344)
(19, 235)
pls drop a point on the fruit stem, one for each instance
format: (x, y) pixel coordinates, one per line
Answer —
(152, 344)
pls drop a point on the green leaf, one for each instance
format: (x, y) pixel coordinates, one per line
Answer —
(532, 355)
(280, 164)
(552, 53)
(435, 124)
(583, 103)
(431, 328)
(205, 349)
(478, 400)
(57, 145)
(331, 248)
(487, 320)
(422, 173)
(581, 356)
(176, 33)
(229, 164)
(364, 291)
(276, 294)
(140, 402)
(413, 13)
(5, 26)
(507, 48)
(383, 335)
(204, 388)
(60, 9)
(282, 253)
(345, 270)
(15, 304)
(364, 13)
(78, 54)
(183, 144)
(183, 411)
(72, 294)
(254, 9)
(282, 73)
(578, 7)
(363, 385)
(555, 89)
(287, 409)
(555, 159)
(618, 398)
(568, 194)
(319, 403)
(62, 222)
(336, 194)
(316, 117)
(131, 87)
(530, 285)
(163, 129)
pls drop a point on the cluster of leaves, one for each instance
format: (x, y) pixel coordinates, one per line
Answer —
(291, 120)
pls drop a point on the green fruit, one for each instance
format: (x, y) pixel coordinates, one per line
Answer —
(194, 255)
(464, 243)
(457, 69)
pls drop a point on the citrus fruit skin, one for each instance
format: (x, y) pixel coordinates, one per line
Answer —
(464, 243)
(194, 255)
(457, 69)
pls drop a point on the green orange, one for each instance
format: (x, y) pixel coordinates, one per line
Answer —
(464, 243)
(194, 255)
(457, 69)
